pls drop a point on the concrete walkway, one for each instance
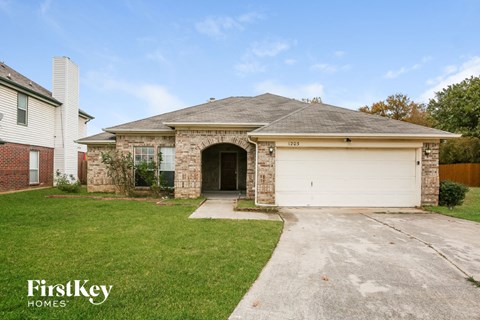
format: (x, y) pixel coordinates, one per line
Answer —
(358, 264)
(223, 209)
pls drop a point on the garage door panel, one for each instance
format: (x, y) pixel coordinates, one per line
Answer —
(347, 177)
(359, 185)
(343, 154)
(324, 168)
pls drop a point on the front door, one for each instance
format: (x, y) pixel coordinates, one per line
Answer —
(228, 171)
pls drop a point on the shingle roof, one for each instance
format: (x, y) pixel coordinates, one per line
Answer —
(261, 109)
(276, 115)
(327, 119)
(11, 76)
(105, 137)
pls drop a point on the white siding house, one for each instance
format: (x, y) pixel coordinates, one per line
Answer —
(40, 126)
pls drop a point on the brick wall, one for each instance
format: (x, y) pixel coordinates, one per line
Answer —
(266, 173)
(188, 158)
(126, 143)
(15, 166)
(430, 175)
(97, 178)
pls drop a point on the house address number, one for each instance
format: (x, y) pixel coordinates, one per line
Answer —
(293, 143)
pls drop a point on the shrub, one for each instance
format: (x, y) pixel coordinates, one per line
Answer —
(67, 183)
(120, 169)
(451, 194)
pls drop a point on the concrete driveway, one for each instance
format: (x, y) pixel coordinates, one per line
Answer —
(359, 264)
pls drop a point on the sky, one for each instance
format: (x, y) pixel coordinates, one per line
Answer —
(142, 58)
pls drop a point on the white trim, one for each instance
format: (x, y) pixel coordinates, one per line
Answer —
(418, 173)
(357, 135)
(30, 167)
(95, 142)
(220, 169)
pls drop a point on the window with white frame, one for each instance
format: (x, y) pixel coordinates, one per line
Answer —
(22, 109)
(34, 165)
(167, 166)
(143, 155)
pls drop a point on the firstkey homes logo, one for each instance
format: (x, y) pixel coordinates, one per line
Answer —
(42, 294)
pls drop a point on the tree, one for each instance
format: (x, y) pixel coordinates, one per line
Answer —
(457, 108)
(314, 100)
(399, 107)
(460, 150)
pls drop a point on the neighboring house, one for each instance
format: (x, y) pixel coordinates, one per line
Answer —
(281, 152)
(38, 128)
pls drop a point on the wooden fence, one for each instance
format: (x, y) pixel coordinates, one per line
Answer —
(82, 168)
(466, 173)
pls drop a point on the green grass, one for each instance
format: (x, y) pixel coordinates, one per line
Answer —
(249, 205)
(161, 264)
(470, 210)
(245, 204)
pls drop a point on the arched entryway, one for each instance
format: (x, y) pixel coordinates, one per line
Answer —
(224, 168)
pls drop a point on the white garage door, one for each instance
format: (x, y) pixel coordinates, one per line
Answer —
(347, 177)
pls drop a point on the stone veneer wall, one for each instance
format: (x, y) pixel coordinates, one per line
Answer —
(97, 178)
(430, 175)
(188, 158)
(266, 173)
(126, 143)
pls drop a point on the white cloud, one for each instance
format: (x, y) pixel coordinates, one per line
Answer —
(450, 69)
(251, 62)
(218, 27)
(45, 6)
(249, 17)
(289, 61)
(392, 74)
(452, 74)
(269, 48)
(339, 53)
(249, 67)
(309, 90)
(156, 97)
(329, 68)
(157, 56)
(5, 6)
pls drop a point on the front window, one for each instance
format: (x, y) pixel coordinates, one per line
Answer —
(34, 165)
(22, 109)
(167, 166)
(143, 155)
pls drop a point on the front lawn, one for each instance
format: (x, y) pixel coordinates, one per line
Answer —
(470, 210)
(161, 264)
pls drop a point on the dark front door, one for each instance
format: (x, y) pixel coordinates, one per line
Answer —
(228, 167)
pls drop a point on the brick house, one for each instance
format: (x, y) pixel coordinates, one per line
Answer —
(281, 151)
(38, 128)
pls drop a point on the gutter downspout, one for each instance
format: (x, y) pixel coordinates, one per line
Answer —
(256, 175)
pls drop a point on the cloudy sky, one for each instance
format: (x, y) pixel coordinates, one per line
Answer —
(141, 58)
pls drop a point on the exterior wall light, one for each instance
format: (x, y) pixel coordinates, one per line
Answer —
(428, 151)
(270, 150)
